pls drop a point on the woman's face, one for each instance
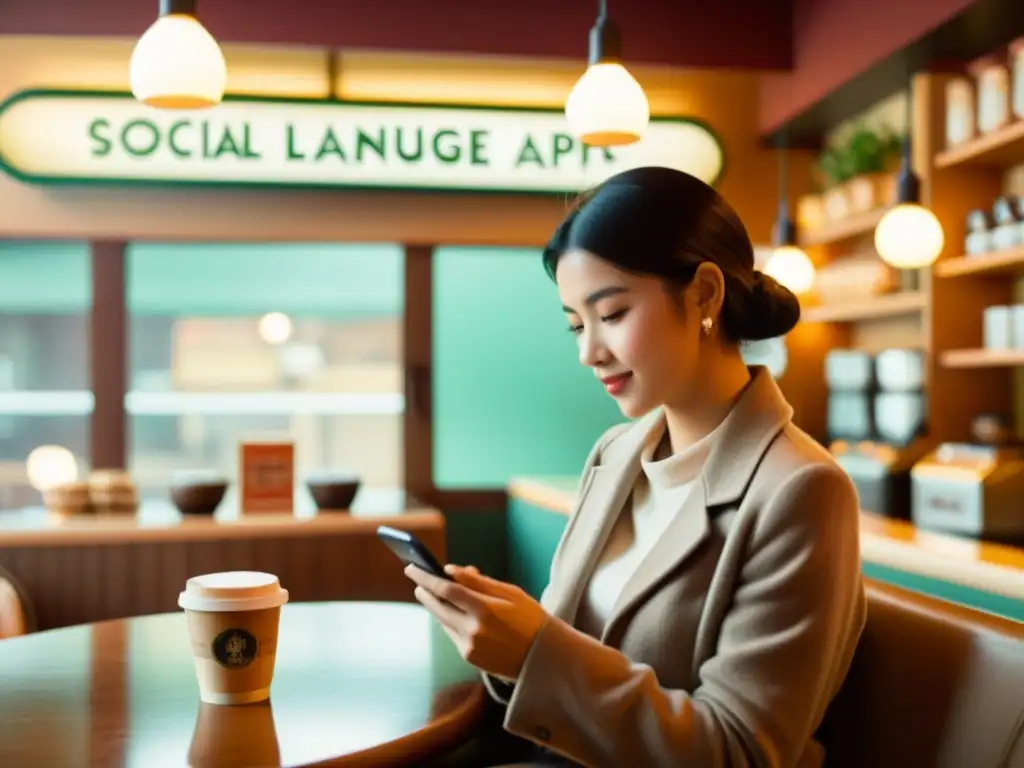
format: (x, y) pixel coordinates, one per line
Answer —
(641, 341)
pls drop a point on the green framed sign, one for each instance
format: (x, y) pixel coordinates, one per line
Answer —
(74, 137)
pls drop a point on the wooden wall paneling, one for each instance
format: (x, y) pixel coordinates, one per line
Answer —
(108, 355)
(417, 356)
(954, 313)
(78, 584)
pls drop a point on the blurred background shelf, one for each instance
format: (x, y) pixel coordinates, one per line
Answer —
(982, 358)
(999, 149)
(885, 305)
(1009, 262)
(853, 226)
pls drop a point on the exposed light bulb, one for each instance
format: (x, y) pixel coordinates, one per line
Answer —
(177, 64)
(607, 107)
(275, 328)
(909, 236)
(791, 267)
(49, 466)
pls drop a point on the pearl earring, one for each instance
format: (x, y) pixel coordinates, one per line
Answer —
(706, 325)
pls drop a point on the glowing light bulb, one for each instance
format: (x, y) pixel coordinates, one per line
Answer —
(275, 328)
(607, 107)
(909, 237)
(791, 267)
(177, 64)
(51, 465)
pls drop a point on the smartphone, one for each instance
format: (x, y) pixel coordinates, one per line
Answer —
(411, 551)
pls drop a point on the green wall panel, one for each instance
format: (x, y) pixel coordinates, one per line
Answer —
(510, 396)
(303, 280)
(45, 277)
(331, 281)
(533, 535)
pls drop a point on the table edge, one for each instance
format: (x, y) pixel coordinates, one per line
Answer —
(255, 526)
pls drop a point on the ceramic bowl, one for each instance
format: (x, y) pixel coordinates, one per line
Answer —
(333, 493)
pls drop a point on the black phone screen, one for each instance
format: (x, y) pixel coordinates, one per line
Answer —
(411, 550)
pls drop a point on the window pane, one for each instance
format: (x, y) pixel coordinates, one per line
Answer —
(236, 341)
(510, 397)
(45, 299)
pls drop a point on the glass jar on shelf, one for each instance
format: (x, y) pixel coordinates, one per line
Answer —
(992, 78)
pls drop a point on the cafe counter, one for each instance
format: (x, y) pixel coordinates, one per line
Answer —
(87, 568)
(986, 576)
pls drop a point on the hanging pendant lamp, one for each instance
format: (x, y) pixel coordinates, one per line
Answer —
(788, 263)
(176, 63)
(909, 236)
(607, 107)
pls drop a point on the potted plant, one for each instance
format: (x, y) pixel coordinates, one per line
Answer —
(872, 159)
(833, 171)
(855, 176)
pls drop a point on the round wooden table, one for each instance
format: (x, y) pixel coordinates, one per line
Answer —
(367, 684)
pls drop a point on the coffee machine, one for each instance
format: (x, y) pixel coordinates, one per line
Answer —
(877, 420)
(973, 489)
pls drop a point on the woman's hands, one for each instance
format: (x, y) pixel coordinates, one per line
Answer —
(492, 623)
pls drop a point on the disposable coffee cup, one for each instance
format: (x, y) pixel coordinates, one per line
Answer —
(233, 619)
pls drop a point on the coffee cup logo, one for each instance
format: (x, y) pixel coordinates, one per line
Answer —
(235, 648)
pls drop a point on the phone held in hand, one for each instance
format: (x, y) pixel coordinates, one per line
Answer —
(411, 551)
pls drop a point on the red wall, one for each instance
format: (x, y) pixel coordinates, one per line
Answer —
(834, 40)
(729, 33)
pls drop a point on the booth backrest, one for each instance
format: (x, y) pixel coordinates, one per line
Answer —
(13, 621)
(933, 685)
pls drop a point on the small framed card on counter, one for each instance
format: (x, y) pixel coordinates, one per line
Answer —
(267, 477)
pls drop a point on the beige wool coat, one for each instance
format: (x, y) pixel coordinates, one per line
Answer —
(731, 638)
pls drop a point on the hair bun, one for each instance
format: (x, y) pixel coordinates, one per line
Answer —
(774, 309)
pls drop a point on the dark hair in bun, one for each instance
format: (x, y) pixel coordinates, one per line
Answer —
(663, 222)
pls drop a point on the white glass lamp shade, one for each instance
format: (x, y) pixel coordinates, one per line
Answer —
(51, 465)
(791, 267)
(607, 107)
(177, 64)
(909, 237)
(275, 328)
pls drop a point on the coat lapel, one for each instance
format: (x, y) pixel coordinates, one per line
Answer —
(688, 529)
(603, 496)
(757, 418)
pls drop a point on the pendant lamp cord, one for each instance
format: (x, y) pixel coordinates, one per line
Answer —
(783, 180)
(907, 136)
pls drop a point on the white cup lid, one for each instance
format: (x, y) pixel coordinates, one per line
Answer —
(233, 591)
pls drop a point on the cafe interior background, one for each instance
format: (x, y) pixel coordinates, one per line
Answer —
(156, 310)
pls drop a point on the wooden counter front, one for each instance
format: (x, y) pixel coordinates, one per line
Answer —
(896, 544)
(90, 568)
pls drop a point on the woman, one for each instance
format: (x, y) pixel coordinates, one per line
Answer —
(705, 599)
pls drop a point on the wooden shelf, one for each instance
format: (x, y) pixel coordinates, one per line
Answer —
(982, 358)
(998, 263)
(853, 226)
(1000, 149)
(876, 307)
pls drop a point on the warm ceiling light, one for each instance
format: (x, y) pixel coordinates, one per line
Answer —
(176, 63)
(51, 465)
(788, 264)
(607, 107)
(909, 236)
(791, 267)
(275, 328)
